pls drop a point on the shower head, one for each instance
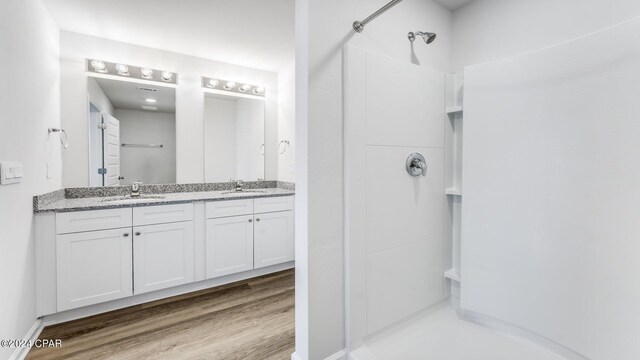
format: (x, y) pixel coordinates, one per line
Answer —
(426, 36)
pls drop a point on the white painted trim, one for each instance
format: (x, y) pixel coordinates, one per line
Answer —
(90, 310)
(295, 356)
(30, 336)
(548, 345)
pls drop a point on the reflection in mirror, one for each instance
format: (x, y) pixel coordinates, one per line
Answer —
(132, 133)
(234, 138)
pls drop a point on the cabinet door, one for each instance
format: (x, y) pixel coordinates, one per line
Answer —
(273, 238)
(229, 245)
(162, 256)
(93, 267)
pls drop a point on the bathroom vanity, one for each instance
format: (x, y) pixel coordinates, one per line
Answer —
(121, 251)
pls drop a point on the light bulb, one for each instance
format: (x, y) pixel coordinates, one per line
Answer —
(150, 100)
(229, 85)
(123, 70)
(146, 73)
(245, 87)
(213, 83)
(258, 90)
(99, 66)
(167, 76)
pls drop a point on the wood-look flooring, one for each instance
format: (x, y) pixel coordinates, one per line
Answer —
(248, 320)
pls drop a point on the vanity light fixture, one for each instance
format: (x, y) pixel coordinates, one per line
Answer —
(151, 100)
(167, 76)
(230, 86)
(115, 69)
(122, 69)
(146, 73)
(99, 66)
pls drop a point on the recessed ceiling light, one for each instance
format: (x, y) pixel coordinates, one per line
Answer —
(147, 73)
(229, 85)
(258, 90)
(99, 66)
(150, 100)
(123, 70)
(245, 87)
(213, 83)
(167, 76)
(151, 108)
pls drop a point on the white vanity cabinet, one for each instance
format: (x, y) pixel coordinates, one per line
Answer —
(229, 245)
(273, 238)
(131, 255)
(93, 267)
(248, 234)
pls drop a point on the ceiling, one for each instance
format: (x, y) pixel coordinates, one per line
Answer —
(453, 4)
(128, 95)
(254, 33)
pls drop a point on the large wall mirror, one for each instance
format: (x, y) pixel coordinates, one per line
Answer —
(234, 138)
(132, 132)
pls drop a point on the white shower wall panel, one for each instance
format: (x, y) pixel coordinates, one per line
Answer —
(550, 213)
(393, 108)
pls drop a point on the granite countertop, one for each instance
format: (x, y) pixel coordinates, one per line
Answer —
(62, 201)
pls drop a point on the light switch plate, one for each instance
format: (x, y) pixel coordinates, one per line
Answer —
(10, 172)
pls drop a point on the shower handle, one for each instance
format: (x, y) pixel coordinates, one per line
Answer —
(416, 165)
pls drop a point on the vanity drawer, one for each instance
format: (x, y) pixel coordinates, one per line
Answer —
(161, 214)
(272, 204)
(79, 221)
(217, 209)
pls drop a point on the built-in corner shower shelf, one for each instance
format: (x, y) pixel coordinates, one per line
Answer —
(454, 110)
(453, 192)
(453, 274)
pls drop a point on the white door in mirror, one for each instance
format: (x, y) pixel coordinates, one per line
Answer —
(10, 172)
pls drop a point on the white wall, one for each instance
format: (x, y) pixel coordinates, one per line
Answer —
(151, 166)
(323, 27)
(30, 99)
(487, 30)
(286, 122)
(189, 101)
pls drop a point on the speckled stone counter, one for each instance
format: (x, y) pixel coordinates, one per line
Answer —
(81, 199)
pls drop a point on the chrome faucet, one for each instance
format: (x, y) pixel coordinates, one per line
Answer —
(135, 189)
(238, 184)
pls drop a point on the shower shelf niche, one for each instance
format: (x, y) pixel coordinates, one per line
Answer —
(454, 110)
(453, 274)
(453, 191)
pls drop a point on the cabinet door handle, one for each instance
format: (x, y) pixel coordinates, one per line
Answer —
(250, 220)
(125, 234)
(257, 219)
(138, 233)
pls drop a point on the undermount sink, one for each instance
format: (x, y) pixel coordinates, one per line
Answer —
(244, 192)
(138, 198)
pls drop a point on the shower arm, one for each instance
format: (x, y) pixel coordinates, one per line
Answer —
(358, 26)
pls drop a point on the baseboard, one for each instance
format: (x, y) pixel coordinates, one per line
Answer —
(340, 355)
(91, 310)
(31, 337)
